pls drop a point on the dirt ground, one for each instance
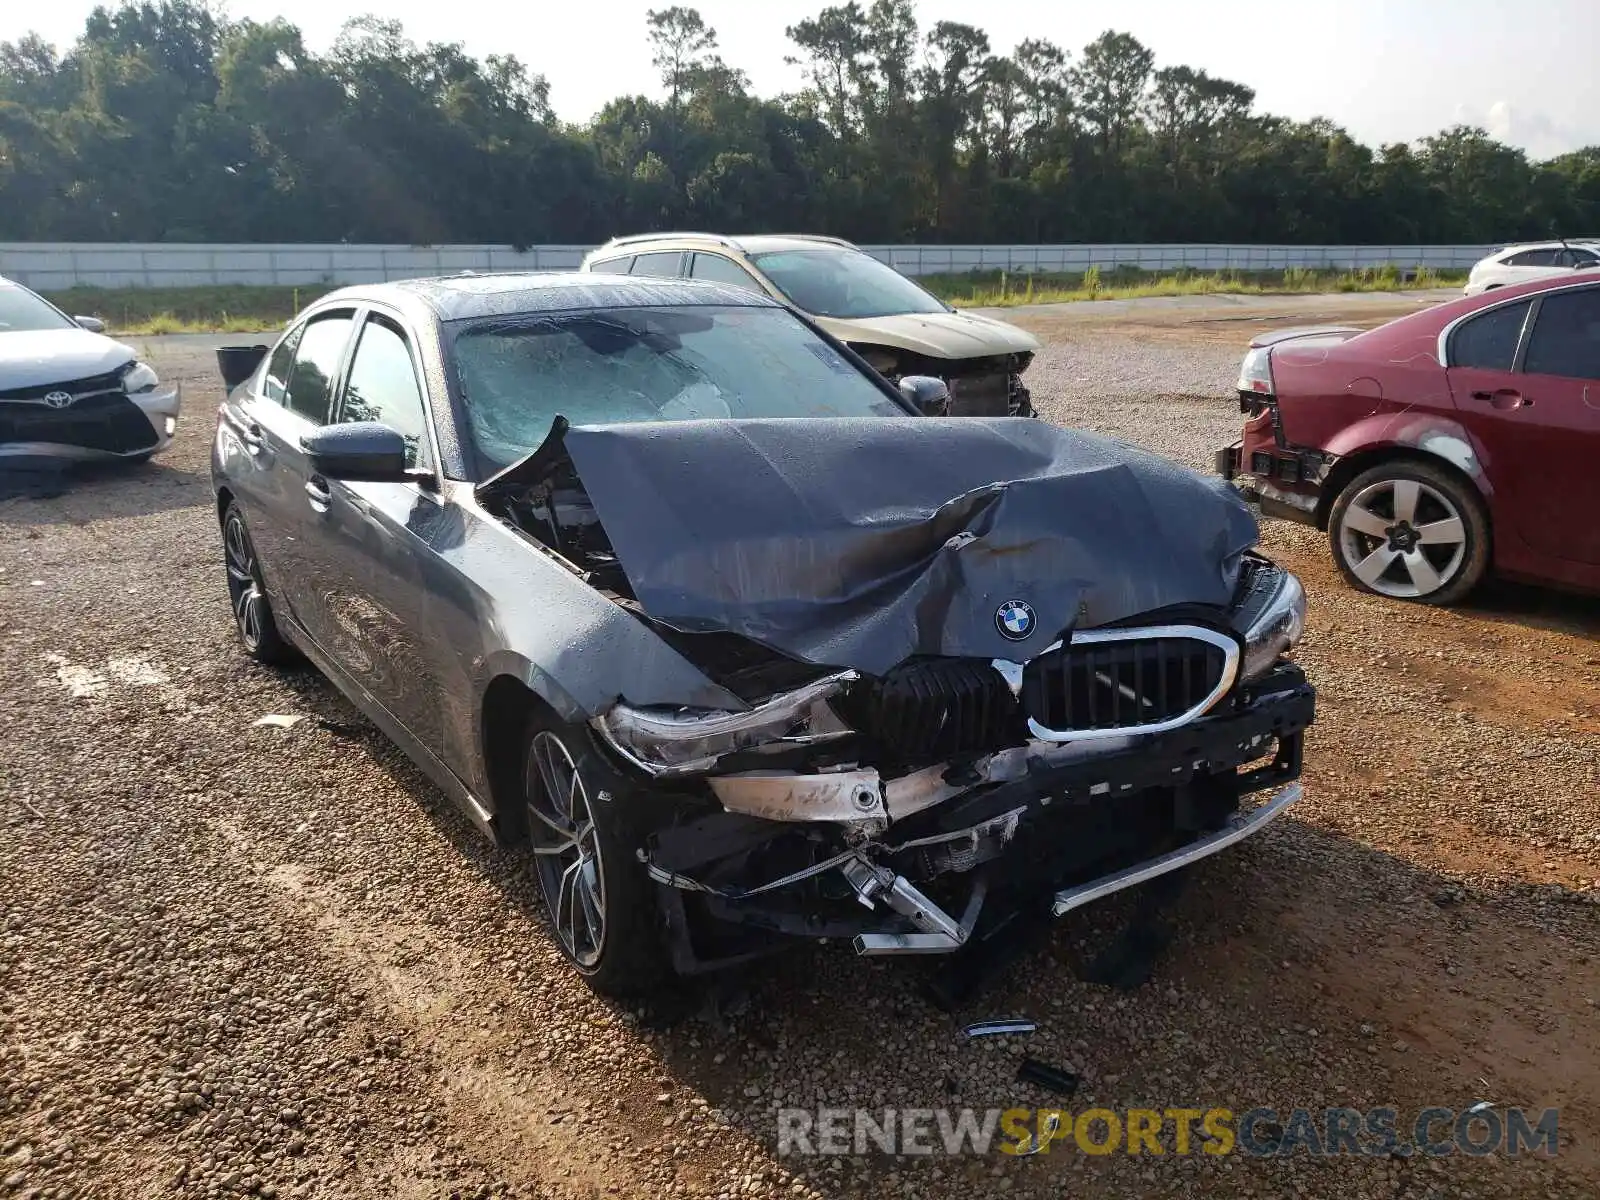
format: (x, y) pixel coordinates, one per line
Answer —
(252, 960)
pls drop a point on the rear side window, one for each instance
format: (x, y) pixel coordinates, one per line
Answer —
(316, 365)
(1566, 336)
(1489, 342)
(383, 387)
(1534, 258)
(722, 270)
(613, 266)
(663, 262)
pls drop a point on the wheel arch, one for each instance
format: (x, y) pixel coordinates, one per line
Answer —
(224, 499)
(1426, 436)
(1351, 465)
(510, 698)
(502, 717)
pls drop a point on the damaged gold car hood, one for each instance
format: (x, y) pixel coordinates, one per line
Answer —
(936, 335)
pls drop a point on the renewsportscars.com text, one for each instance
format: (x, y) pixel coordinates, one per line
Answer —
(1434, 1132)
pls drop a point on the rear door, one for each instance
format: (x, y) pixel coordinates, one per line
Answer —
(1544, 263)
(1555, 433)
(366, 542)
(1526, 380)
(295, 398)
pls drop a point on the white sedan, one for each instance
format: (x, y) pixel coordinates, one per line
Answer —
(69, 393)
(1525, 263)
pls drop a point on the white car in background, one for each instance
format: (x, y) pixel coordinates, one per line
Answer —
(1530, 261)
(68, 393)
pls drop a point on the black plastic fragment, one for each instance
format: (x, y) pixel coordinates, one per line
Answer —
(1050, 1078)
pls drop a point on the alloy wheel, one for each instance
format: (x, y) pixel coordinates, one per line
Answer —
(1403, 538)
(244, 583)
(566, 850)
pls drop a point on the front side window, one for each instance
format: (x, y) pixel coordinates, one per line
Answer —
(722, 270)
(316, 365)
(23, 312)
(383, 387)
(1489, 342)
(1578, 258)
(662, 262)
(648, 364)
(1566, 336)
(835, 281)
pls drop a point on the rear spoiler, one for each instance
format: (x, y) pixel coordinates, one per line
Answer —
(1284, 335)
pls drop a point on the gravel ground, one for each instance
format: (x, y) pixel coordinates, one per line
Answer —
(245, 960)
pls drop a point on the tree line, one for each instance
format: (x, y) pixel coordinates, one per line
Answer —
(165, 121)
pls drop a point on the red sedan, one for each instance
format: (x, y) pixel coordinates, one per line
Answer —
(1440, 446)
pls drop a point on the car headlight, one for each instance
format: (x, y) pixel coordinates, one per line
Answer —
(1255, 373)
(140, 377)
(679, 741)
(1276, 627)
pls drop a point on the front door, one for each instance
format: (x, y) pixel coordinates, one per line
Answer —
(366, 542)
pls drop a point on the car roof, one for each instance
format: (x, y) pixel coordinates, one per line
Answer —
(758, 243)
(1585, 243)
(1534, 287)
(465, 297)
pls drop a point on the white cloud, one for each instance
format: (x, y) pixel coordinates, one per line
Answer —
(1533, 131)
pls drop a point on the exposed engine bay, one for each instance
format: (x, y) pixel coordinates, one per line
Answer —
(981, 386)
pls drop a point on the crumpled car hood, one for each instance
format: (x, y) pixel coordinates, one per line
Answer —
(937, 335)
(33, 358)
(861, 542)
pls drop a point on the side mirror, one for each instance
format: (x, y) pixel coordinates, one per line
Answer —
(927, 393)
(361, 452)
(238, 363)
(92, 324)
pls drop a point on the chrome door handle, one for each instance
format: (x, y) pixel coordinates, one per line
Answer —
(318, 493)
(1504, 398)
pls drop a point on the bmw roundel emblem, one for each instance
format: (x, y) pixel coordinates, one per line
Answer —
(1014, 620)
(58, 399)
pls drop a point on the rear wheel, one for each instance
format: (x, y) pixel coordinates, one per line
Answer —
(252, 612)
(598, 899)
(1410, 531)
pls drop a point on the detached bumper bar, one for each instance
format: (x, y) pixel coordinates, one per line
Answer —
(1241, 827)
(947, 935)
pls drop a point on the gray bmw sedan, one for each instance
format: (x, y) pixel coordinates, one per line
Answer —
(661, 581)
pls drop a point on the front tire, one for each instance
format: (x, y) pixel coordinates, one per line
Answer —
(599, 902)
(252, 612)
(1409, 530)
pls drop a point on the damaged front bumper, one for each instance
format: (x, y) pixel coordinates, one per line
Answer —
(912, 865)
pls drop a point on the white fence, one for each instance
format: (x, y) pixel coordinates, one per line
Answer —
(51, 266)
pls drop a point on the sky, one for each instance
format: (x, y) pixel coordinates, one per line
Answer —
(1387, 70)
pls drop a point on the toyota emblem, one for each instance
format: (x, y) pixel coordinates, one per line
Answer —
(58, 399)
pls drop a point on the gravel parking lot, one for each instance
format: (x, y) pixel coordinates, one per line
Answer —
(238, 959)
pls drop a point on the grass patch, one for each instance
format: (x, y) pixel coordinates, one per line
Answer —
(1001, 289)
(222, 308)
(233, 308)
